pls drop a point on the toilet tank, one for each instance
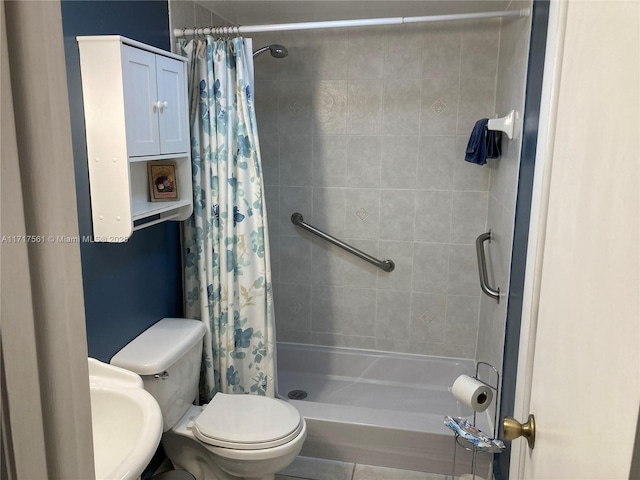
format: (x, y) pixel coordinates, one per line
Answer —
(167, 356)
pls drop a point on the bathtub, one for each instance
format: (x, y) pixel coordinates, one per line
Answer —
(378, 408)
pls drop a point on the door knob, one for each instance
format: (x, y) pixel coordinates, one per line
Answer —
(513, 429)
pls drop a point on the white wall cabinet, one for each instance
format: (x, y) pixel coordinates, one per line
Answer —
(136, 112)
(154, 103)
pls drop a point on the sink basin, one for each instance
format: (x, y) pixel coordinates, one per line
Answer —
(126, 421)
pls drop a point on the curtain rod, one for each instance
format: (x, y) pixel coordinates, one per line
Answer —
(364, 22)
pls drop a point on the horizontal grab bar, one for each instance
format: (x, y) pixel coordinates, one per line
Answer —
(386, 265)
(482, 267)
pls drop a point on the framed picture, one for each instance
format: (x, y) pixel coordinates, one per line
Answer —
(163, 181)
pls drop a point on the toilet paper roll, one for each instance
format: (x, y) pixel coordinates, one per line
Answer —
(472, 392)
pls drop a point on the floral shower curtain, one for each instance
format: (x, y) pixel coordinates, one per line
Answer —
(227, 275)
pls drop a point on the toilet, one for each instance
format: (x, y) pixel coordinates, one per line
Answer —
(233, 437)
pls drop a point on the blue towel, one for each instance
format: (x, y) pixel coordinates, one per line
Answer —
(483, 143)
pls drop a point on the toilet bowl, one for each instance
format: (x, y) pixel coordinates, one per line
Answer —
(233, 437)
(230, 456)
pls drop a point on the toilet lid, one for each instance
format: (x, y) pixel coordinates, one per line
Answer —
(247, 422)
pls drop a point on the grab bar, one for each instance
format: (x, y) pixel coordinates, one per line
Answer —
(386, 265)
(482, 267)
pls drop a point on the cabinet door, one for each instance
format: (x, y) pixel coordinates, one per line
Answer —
(174, 132)
(140, 97)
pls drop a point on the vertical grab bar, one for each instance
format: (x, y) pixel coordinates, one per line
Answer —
(482, 267)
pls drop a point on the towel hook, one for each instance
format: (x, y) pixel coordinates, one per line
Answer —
(504, 124)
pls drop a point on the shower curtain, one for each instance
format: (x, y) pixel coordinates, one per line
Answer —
(227, 274)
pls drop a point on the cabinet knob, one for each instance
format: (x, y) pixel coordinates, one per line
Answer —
(159, 106)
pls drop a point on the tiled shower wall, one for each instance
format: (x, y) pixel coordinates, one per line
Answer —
(189, 14)
(363, 132)
(335, 138)
(512, 69)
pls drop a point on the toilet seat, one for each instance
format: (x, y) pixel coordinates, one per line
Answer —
(247, 422)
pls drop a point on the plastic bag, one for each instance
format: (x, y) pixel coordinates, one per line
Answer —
(481, 441)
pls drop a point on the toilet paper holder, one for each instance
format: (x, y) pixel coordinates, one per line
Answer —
(457, 440)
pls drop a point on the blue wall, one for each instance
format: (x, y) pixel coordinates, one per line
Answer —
(129, 286)
(521, 229)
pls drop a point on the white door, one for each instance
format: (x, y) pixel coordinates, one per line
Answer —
(140, 97)
(174, 132)
(579, 366)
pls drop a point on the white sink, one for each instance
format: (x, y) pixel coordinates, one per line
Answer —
(126, 421)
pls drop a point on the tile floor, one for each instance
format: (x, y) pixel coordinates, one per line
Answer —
(307, 468)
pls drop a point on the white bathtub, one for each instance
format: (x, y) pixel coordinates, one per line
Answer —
(378, 408)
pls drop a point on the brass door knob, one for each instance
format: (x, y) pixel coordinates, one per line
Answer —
(513, 429)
